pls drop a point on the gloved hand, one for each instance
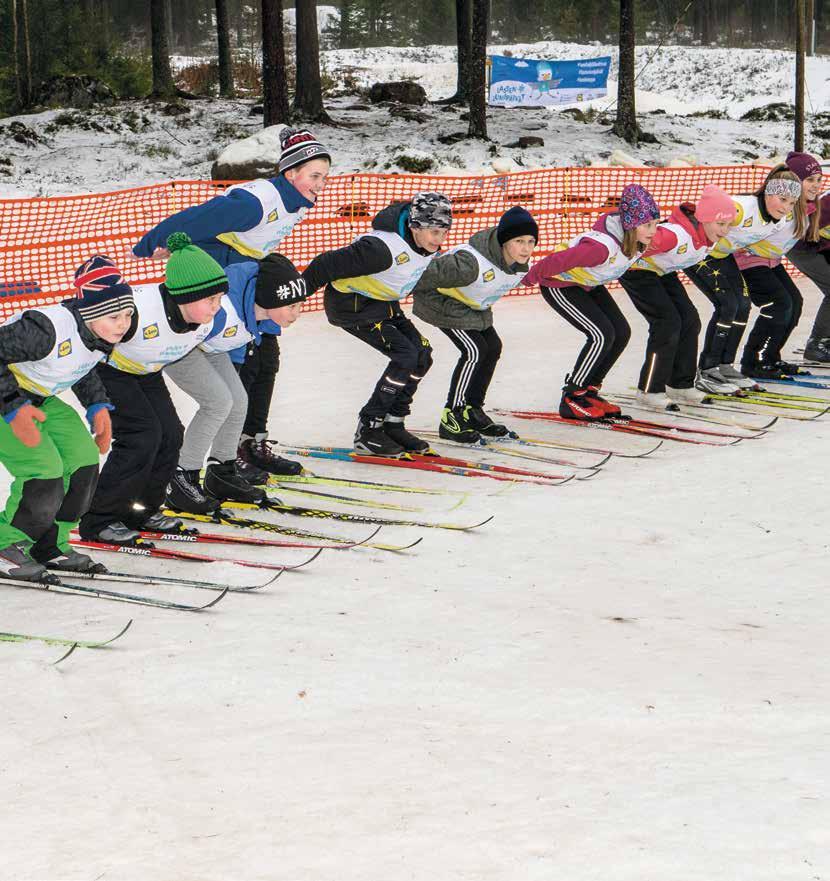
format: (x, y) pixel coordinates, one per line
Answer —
(102, 430)
(23, 425)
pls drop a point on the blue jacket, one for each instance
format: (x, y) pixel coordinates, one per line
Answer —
(241, 290)
(238, 211)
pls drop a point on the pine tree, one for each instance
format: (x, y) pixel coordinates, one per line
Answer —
(308, 95)
(162, 77)
(223, 40)
(478, 70)
(274, 88)
(626, 126)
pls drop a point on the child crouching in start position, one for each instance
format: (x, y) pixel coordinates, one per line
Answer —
(44, 444)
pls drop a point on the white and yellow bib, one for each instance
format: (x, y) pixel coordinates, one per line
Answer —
(275, 225)
(68, 361)
(491, 284)
(154, 343)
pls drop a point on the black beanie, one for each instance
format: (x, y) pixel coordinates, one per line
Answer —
(278, 283)
(514, 223)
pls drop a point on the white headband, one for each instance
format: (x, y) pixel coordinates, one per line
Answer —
(781, 186)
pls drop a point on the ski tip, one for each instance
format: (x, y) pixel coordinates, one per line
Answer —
(769, 424)
(215, 600)
(311, 559)
(567, 479)
(602, 461)
(120, 634)
(363, 541)
(732, 443)
(66, 654)
(587, 476)
(822, 413)
(476, 525)
(396, 548)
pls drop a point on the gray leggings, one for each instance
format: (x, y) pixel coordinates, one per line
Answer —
(213, 383)
(814, 264)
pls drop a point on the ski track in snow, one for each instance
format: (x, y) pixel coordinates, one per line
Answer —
(674, 82)
(621, 679)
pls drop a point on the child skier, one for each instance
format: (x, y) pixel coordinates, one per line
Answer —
(573, 284)
(668, 372)
(719, 278)
(247, 223)
(260, 296)
(789, 194)
(172, 318)
(43, 442)
(364, 283)
(456, 295)
(813, 259)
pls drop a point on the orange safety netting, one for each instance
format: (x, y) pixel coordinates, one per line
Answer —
(43, 240)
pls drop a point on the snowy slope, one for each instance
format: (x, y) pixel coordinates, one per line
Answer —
(137, 143)
(619, 679)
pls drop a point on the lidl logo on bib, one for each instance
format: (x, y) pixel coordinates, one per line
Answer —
(230, 331)
(489, 275)
(401, 259)
(273, 216)
(682, 249)
(748, 222)
(150, 332)
(65, 348)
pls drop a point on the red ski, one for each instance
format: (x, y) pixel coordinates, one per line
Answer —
(218, 538)
(644, 423)
(624, 426)
(167, 554)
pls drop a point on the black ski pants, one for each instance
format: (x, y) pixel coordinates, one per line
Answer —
(146, 438)
(673, 329)
(721, 282)
(258, 374)
(780, 302)
(595, 314)
(480, 352)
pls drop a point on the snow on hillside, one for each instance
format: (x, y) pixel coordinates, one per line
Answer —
(137, 142)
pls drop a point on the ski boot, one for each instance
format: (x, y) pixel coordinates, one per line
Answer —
(255, 476)
(788, 369)
(159, 522)
(730, 374)
(657, 401)
(370, 437)
(394, 429)
(612, 410)
(71, 561)
(185, 493)
(687, 395)
(576, 403)
(15, 563)
(456, 426)
(115, 533)
(484, 425)
(257, 451)
(224, 482)
(762, 371)
(711, 380)
(818, 349)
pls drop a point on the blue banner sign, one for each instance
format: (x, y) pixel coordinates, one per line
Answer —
(526, 82)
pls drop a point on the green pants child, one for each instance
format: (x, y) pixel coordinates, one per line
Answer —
(53, 482)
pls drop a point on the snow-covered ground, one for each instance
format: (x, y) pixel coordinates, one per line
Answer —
(138, 143)
(621, 679)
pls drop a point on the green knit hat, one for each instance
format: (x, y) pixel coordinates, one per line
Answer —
(192, 274)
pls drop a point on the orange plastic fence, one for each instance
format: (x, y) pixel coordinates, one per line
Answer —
(42, 240)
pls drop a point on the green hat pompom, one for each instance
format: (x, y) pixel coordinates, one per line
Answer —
(178, 240)
(191, 273)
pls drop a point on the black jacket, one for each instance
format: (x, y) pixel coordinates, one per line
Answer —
(31, 339)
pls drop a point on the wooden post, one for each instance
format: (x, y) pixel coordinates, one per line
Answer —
(800, 45)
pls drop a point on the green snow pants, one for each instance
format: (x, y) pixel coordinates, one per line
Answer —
(53, 482)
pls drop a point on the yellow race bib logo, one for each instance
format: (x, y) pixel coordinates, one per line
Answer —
(489, 275)
(65, 348)
(401, 259)
(230, 331)
(150, 332)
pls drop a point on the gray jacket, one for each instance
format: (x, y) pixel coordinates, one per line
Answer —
(457, 270)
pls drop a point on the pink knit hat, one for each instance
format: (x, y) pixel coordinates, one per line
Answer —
(714, 205)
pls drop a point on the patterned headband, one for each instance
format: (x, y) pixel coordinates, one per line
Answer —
(781, 186)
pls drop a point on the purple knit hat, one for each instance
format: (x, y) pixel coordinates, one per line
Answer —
(803, 165)
(637, 206)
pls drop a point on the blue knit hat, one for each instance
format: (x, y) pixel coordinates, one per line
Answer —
(516, 222)
(101, 289)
